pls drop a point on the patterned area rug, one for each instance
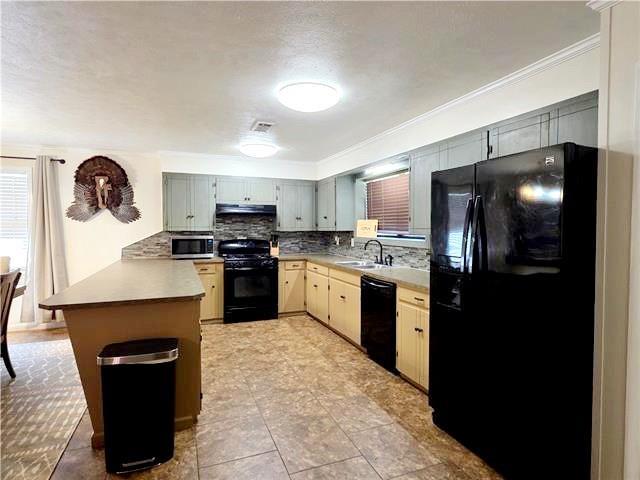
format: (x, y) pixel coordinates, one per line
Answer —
(39, 409)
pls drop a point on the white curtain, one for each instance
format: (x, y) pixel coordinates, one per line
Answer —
(46, 266)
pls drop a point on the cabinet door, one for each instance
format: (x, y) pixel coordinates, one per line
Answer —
(281, 287)
(294, 291)
(177, 202)
(327, 204)
(466, 150)
(218, 292)
(579, 127)
(352, 312)
(231, 190)
(261, 191)
(306, 201)
(337, 305)
(422, 336)
(312, 293)
(422, 164)
(207, 303)
(202, 202)
(524, 134)
(288, 207)
(322, 300)
(406, 340)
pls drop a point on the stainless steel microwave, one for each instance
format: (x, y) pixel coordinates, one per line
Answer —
(192, 246)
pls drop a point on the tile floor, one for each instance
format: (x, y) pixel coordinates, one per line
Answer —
(289, 399)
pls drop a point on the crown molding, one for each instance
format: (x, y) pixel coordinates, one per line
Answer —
(566, 54)
(600, 5)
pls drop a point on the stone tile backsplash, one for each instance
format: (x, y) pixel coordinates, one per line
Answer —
(259, 226)
(416, 257)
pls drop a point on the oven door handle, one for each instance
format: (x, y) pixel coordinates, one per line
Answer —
(244, 269)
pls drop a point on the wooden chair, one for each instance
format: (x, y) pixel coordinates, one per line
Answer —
(8, 283)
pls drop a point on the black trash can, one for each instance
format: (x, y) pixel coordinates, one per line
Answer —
(138, 402)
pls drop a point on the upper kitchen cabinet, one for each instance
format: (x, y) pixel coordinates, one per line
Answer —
(326, 204)
(577, 122)
(464, 150)
(188, 202)
(336, 204)
(295, 206)
(246, 190)
(422, 163)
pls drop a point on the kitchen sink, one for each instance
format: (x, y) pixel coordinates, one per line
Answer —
(355, 263)
(362, 265)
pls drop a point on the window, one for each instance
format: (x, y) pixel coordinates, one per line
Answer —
(14, 215)
(388, 202)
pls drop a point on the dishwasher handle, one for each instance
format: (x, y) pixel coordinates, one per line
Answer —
(369, 282)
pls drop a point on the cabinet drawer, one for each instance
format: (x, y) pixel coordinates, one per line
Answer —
(314, 267)
(353, 279)
(206, 268)
(420, 299)
(298, 265)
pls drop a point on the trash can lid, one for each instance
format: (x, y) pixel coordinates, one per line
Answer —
(146, 351)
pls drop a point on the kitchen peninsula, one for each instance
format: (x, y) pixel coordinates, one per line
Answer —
(129, 300)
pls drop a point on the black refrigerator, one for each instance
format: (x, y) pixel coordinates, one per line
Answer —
(512, 309)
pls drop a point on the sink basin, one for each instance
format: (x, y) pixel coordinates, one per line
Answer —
(355, 263)
(362, 264)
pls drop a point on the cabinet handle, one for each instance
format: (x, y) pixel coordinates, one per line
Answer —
(419, 299)
(343, 297)
(325, 217)
(419, 330)
(213, 286)
(315, 286)
(287, 282)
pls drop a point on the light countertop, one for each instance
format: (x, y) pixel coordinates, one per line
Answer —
(407, 277)
(130, 282)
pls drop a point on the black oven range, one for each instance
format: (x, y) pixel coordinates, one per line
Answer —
(250, 280)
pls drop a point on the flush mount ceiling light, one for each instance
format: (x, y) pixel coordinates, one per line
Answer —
(308, 96)
(258, 150)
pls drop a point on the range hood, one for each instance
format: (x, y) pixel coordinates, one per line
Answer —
(234, 209)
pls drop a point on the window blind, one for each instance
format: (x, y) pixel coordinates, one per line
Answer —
(388, 202)
(14, 217)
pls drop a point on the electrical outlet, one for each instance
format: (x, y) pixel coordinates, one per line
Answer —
(353, 242)
(337, 239)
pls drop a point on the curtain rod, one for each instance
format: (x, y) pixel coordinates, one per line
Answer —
(61, 160)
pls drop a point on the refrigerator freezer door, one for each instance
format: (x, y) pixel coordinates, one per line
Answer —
(451, 197)
(521, 196)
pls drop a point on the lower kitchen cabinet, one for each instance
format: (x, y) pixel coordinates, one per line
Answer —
(291, 294)
(212, 278)
(412, 338)
(344, 308)
(318, 295)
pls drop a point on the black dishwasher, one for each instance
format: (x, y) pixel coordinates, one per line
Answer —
(378, 320)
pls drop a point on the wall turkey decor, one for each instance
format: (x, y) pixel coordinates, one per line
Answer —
(101, 183)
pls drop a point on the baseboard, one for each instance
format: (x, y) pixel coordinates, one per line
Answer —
(359, 347)
(211, 321)
(413, 384)
(291, 314)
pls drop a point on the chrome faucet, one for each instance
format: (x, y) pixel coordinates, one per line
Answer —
(378, 260)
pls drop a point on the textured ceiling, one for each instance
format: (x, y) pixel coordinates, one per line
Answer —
(193, 76)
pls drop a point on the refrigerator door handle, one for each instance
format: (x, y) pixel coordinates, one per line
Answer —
(472, 243)
(465, 234)
(478, 237)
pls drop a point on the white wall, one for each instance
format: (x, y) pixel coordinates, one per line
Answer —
(566, 74)
(616, 428)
